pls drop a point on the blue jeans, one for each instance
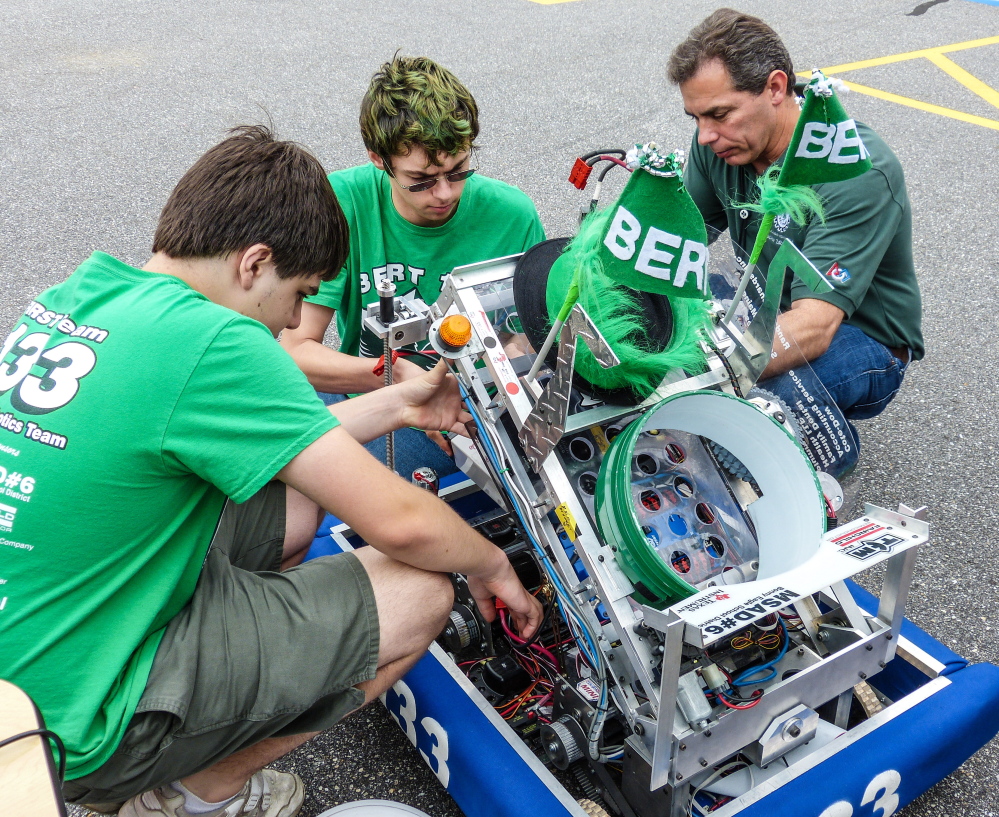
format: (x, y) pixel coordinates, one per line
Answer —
(855, 379)
(413, 449)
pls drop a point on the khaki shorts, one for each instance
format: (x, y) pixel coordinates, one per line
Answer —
(255, 654)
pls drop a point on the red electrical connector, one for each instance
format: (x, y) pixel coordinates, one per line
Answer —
(580, 173)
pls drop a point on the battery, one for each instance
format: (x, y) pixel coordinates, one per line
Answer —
(426, 478)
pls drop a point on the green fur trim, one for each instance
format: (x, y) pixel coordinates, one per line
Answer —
(800, 202)
(615, 310)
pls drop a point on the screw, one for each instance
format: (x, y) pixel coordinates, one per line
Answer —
(552, 748)
(707, 734)
(882, 664)
(862, 674)
(399, 335)
(801, 650)
(683, 747)
(889, 636)
(639, 729)
(779, 417)
(610, 657)
(869, 647)
(822, 635)
(600, 558)
(703, 762)
(679, 776)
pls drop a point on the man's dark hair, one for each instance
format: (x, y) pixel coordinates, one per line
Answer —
(252, 189)
(413, 101)
(748, 48)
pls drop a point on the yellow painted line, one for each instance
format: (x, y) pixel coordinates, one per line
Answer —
(969, 81)
(912, 55)
(925, 106)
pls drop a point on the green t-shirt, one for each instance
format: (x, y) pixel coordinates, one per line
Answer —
(130, 407)
(493, 220)
(868, 233)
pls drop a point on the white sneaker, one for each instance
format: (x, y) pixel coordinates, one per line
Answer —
(268, 793)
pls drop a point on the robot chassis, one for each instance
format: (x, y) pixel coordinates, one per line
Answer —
(654, 711)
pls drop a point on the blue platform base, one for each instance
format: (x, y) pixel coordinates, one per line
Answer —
(934, 725)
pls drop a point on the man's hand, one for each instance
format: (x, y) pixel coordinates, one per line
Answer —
(526, 610)
(403, 370)
(432, 402)
(442, 442)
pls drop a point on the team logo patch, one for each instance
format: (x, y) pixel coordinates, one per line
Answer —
(839, 274)
(867, 548)
(782, 222)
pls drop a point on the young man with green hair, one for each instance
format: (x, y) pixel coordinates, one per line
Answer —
(416, 211)
(171, 462)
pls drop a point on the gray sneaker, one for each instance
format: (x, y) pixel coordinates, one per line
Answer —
(267, 794)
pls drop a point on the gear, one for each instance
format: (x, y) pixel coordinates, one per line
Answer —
(592, 809)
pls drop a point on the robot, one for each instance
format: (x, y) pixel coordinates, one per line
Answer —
(705, 646)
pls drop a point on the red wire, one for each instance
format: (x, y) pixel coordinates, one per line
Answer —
(758, 695)
(613, 159)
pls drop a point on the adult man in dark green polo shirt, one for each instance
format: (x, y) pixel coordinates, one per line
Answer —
(735, 76)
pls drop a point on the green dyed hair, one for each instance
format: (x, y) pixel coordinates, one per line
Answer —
(798, 201)
(616, 312)
(414, 102)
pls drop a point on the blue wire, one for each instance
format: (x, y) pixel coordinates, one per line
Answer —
(742, 680)
(563, 594)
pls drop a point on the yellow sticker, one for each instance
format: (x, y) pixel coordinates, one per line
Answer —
(600, 438)
(568, 521)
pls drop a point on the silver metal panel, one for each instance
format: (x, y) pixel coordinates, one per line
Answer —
(841, 744)
(812, 687)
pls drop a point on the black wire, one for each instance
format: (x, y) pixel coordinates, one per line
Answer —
(728, 368)
(44, 733)
(544, 620)
(605, 170)
(611, 151)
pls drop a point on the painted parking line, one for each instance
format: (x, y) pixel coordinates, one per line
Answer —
(938, 57)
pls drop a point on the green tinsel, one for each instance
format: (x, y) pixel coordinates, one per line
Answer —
(797, 201)
(615, 310)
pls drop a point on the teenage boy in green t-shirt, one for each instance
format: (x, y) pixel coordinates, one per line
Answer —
(855, 343)
(169, 462)
(416, 211)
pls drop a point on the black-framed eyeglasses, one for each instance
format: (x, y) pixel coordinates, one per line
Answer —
(452, 178)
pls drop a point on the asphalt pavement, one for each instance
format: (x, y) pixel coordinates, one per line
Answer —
(104, 104)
